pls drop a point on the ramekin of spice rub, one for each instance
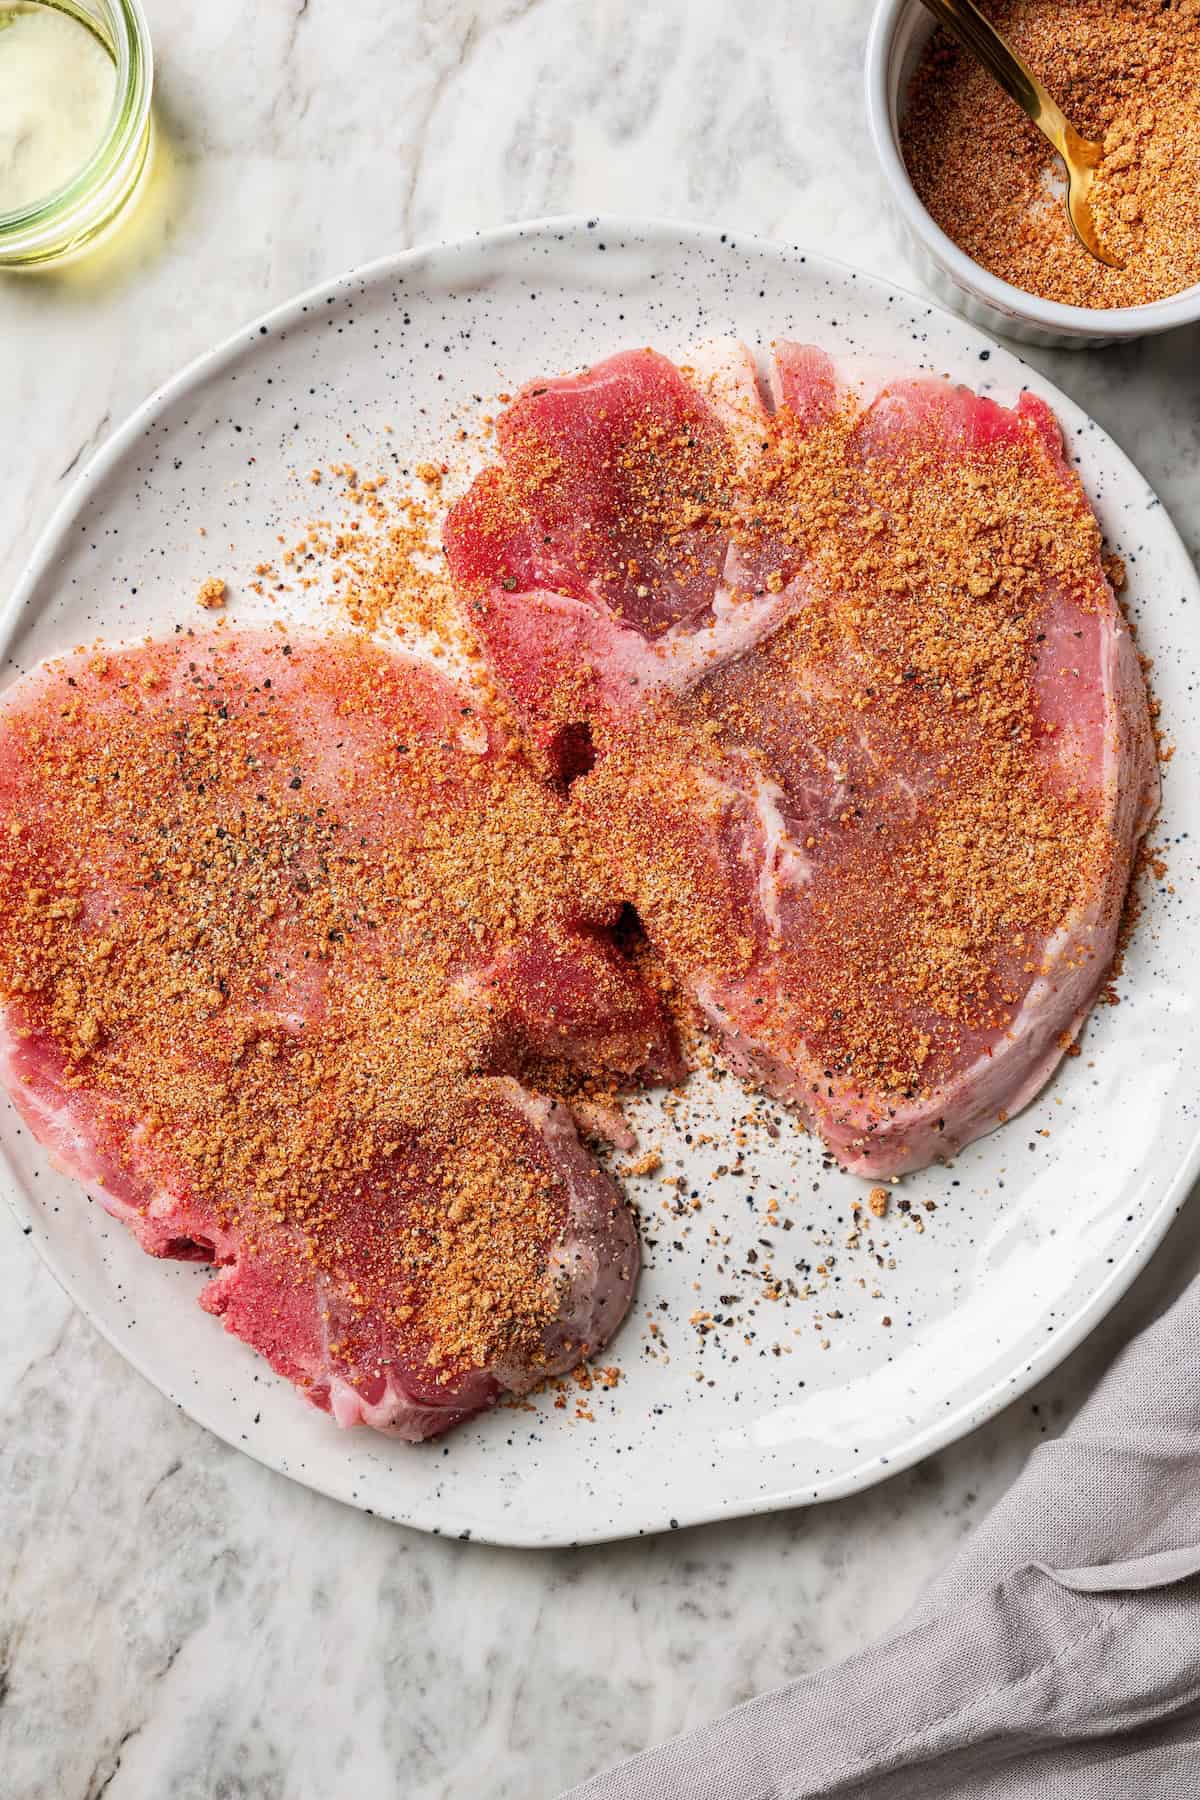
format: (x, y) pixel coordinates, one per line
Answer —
(978, 193)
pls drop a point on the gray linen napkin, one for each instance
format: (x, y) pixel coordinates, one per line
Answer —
(1059, 1656)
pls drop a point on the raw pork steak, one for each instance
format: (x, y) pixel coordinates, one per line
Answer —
(883, 836)
(286, 929)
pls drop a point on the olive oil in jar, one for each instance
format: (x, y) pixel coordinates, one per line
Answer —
(58, 85)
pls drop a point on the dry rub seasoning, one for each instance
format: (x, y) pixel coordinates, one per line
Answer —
(245, 953)
(1127, 73)
(921, 639)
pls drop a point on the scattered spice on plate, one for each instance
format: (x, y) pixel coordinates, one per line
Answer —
(1126, 73)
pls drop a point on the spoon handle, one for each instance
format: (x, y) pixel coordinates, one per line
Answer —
(964, 19)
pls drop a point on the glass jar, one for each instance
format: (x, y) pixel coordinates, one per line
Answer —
(61, 222)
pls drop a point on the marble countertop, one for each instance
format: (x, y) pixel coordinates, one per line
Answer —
(175, 1619)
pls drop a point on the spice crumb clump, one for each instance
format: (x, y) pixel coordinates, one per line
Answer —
(212, 594)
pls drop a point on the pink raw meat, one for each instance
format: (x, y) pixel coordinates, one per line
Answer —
(883, 841)
(282, 832)
(605, 558)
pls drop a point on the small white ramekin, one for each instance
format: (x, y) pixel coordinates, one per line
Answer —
(899, 31)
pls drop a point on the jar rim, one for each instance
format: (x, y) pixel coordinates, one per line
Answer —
(71, 214)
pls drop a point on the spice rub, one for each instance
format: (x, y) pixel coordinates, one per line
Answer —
(883, 844)
(810, 727)
(286, 928)
(1127, 74)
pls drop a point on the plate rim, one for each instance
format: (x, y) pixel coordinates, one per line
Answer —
(970, 1414)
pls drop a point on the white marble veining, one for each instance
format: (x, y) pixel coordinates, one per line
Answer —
(175, 1619)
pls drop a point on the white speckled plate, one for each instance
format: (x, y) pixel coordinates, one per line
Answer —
(1037, 1230)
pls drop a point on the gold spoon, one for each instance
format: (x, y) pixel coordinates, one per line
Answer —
(1081, 155)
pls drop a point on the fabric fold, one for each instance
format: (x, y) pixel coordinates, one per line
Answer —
(1135, 1574)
